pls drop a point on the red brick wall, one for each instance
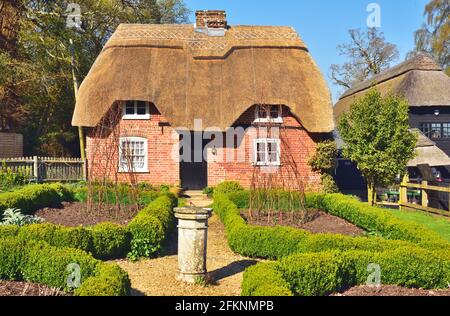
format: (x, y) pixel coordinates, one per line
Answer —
(102, 152)
(297, 146)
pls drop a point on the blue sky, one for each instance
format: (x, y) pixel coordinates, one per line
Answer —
(324, 24)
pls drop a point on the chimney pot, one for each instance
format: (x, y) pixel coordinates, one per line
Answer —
(212, 19)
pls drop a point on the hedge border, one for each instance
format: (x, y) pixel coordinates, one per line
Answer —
(277, 242)
(33, 197)
(318, 274)
(142, 237)
(373, 218)
(37, 261)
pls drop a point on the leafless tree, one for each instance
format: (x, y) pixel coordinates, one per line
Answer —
(368, 54)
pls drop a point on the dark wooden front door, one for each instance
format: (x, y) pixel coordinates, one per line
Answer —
(194, 171)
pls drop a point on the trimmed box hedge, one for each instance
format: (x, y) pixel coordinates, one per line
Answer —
(277, 242)
(31, 198)
(142, 237)
(373, 219)
(317, 274)
(309, 264)
(38, 262)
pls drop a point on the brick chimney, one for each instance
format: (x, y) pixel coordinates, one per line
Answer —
(213, 19)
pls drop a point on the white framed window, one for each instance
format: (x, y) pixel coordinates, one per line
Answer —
(267, 152)
(136, 110)
(269, 114)
(133, 154)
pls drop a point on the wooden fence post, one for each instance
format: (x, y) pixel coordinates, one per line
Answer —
(404, 191)
(36, 168)
(424, 194)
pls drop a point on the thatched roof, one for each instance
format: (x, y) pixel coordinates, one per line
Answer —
(419, 79)
(427, 153)
(190, 75)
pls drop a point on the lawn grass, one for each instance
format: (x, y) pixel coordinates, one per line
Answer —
(438, 224)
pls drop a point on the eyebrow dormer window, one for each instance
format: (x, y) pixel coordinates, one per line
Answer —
(136, 110)
(269, 114)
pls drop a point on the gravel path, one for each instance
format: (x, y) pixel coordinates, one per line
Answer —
(157, 277)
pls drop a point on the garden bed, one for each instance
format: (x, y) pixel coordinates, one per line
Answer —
(16, 288)
(390, 290)
(316, 222)
(78, 214)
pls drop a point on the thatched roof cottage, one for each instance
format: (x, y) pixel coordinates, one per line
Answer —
(163, 79)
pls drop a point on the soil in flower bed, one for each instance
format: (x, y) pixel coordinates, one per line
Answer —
(76, 214)
(13, 288)
(315, 221)
(389, 290)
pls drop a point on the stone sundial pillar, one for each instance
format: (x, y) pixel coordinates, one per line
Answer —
(192, 242)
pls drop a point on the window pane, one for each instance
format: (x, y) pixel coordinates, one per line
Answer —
(260, 151)
(141, 108)
(446, 130)
(436, 130)
(274, 111)
(273, 152)
(261, 146)
(133, 155)
(262, 112)
(129, 108)
(261, 157)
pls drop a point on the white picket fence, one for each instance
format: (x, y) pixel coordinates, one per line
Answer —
(47, 169)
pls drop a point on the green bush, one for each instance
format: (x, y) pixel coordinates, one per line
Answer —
(33, 197)
(151, 226)
(65, 192)
(264, 280)
(11, 253)
(10, 179)
(328, 272)
(326, 242)
(209, 192)
(109, 241)
(8, 231)
(227, 187)
(162, 209)
(324, 162)
(409, 267)
(36, 261)
(317, 274)
(48, 265)
(374, 219)
(58, 236)
(147, 234)
(109, 280)
(141, 238)
(277, 242)
(328, 184)
(319, 264)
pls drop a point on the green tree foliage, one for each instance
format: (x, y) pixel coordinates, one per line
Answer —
(368, 54)
(377, 137)
(39, 73)
(10, 13)
(324, 162)
(434, 36)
